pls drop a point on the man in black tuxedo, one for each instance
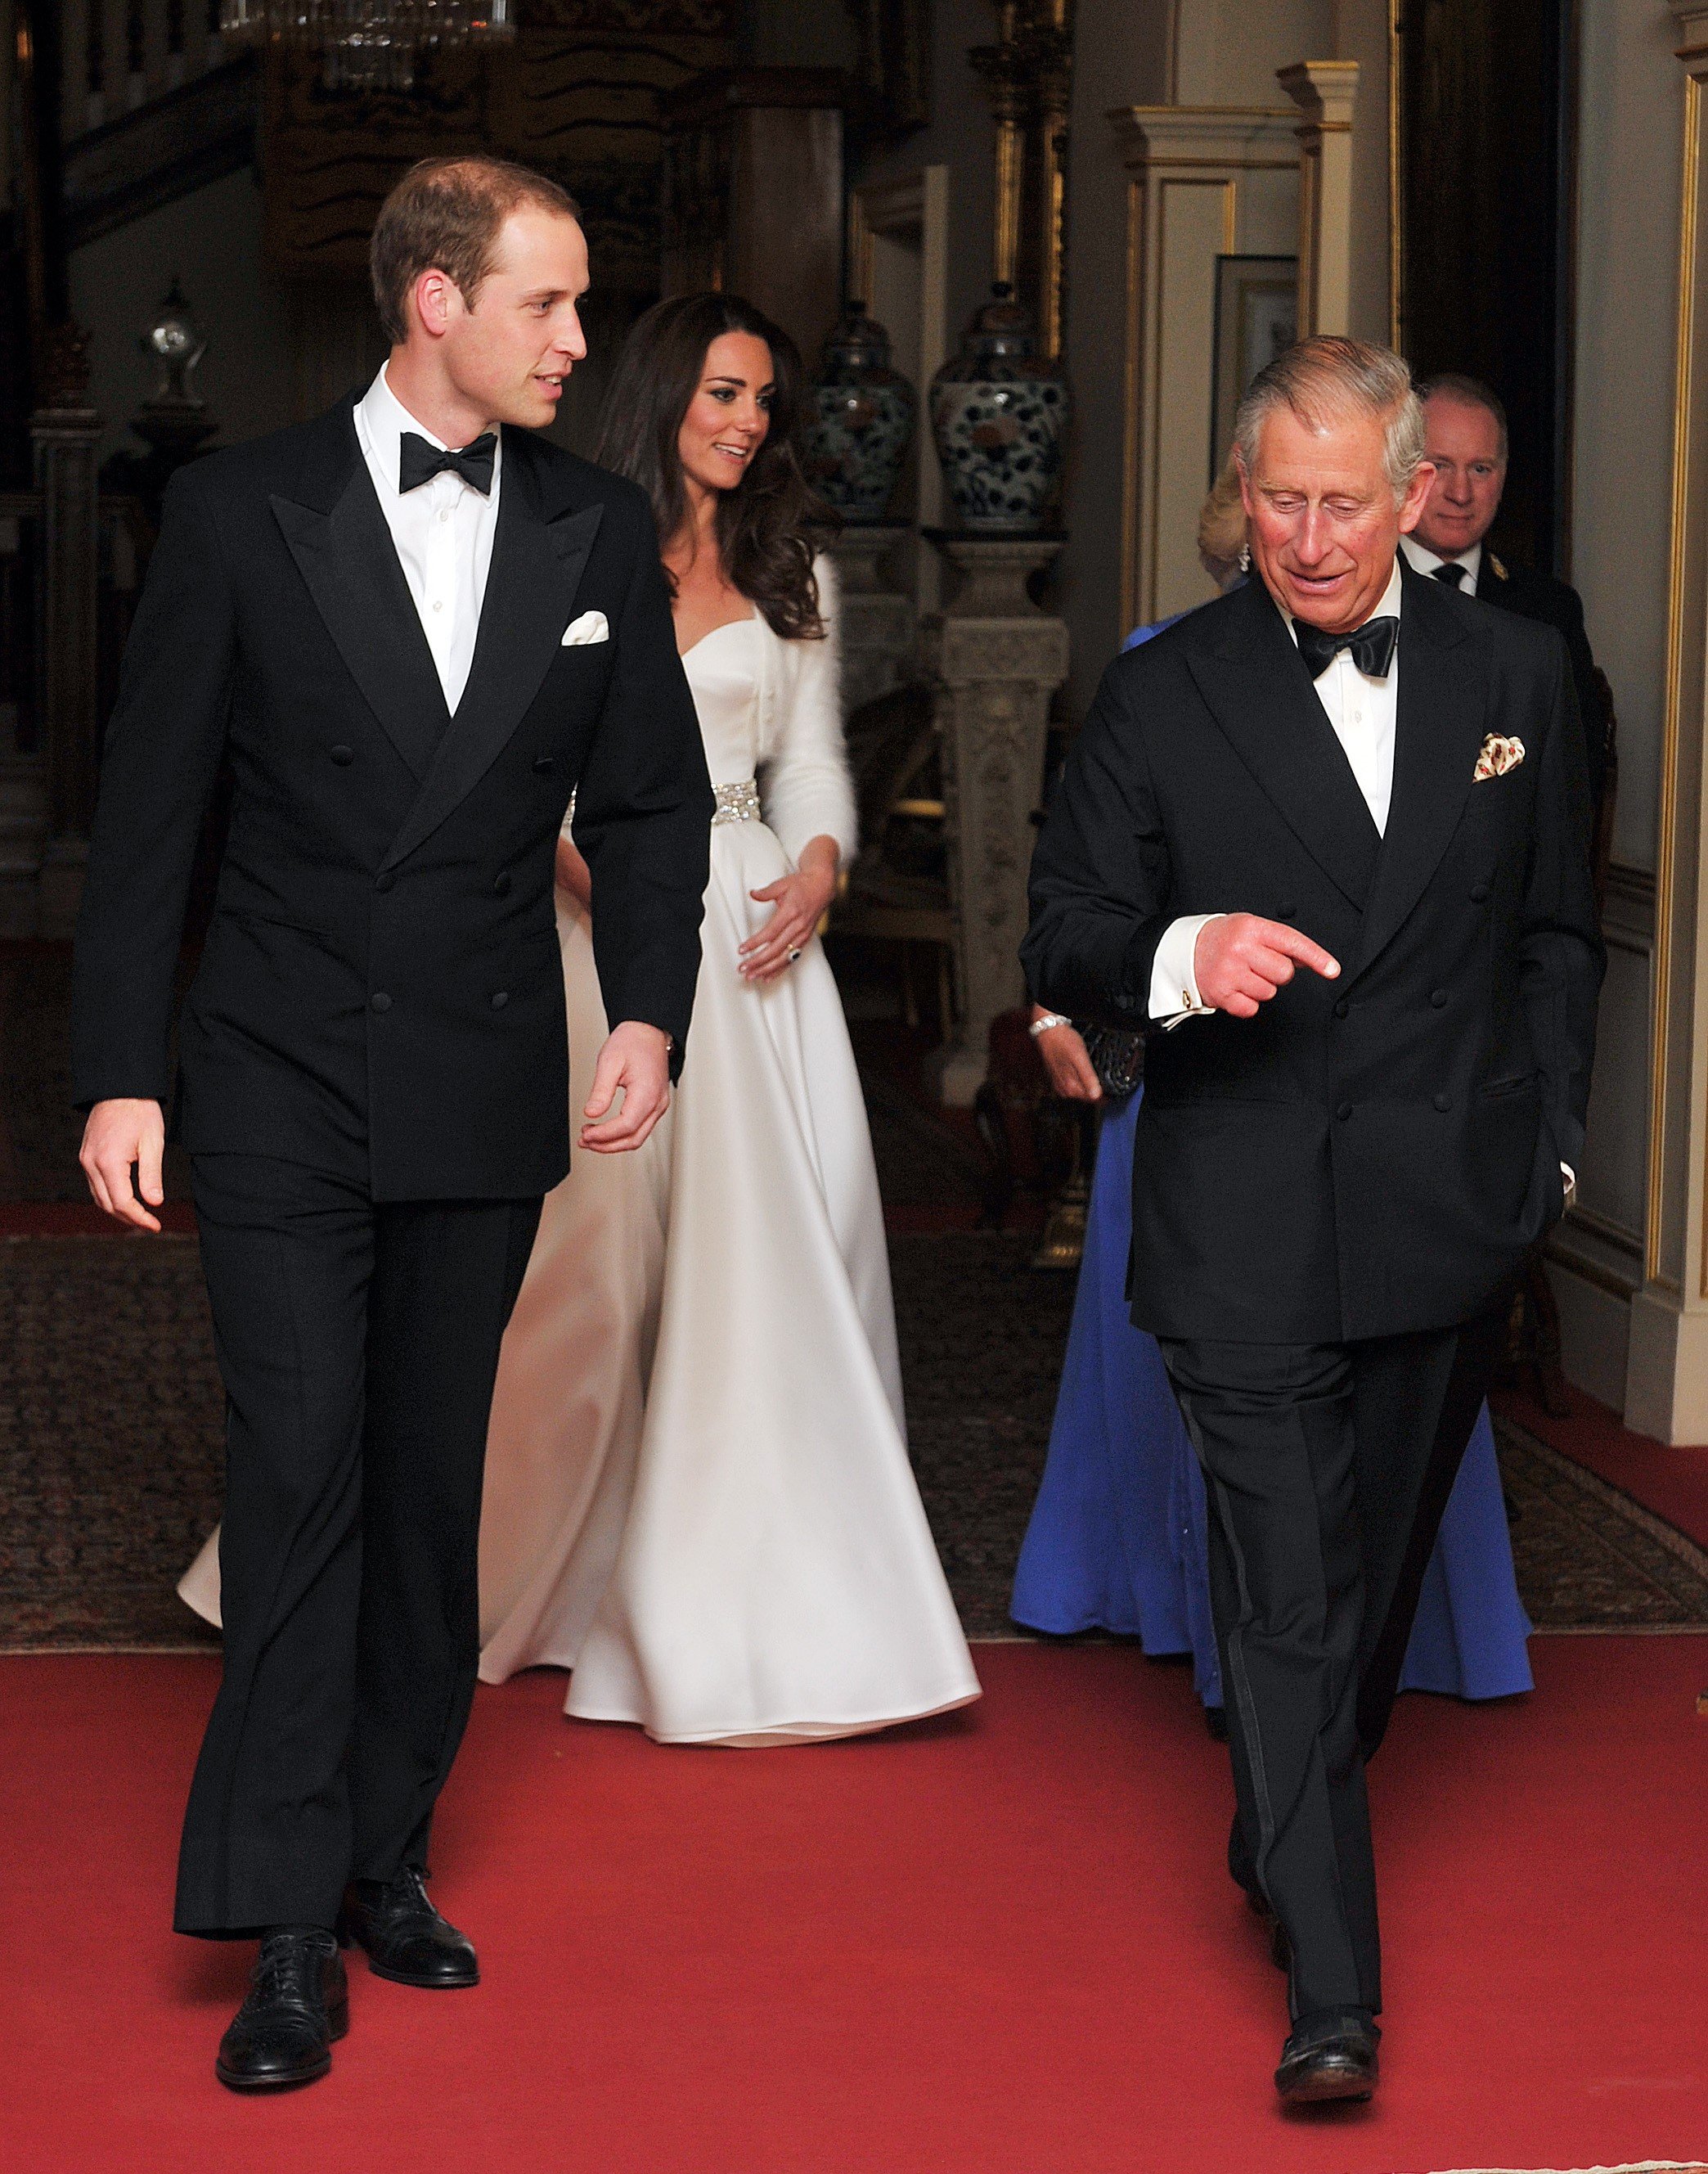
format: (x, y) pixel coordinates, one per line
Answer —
(1465, 444)
(1340, 767)
(413, 628)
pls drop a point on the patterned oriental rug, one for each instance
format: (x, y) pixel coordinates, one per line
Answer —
(112, 1418)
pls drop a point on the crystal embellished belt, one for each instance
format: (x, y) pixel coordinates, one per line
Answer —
(736, 804)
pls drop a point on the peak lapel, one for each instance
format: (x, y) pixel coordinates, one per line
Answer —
(1260, 693)
(530, 586)
(349, 563)
(1438, 729)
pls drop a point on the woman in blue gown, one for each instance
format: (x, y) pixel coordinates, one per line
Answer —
(1119, 1538)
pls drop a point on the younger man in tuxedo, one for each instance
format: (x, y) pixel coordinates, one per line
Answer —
(412, 627)
(1337, 1173)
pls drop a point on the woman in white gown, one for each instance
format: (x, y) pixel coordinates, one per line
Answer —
(698, 1493)
(698, 1498)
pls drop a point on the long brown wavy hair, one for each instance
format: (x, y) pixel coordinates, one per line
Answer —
(770, 525)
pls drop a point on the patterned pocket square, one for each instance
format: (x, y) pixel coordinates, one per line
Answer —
(1496, 757)
(591, 626)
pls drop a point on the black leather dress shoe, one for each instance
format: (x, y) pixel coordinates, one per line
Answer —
(406, 1938)
(1335, 2058)
(299, 2003)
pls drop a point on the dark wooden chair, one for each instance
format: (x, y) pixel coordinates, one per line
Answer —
(897, 889)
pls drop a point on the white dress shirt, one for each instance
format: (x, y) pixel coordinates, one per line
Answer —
(1426, 561)
(1362, 712)
(443, 531)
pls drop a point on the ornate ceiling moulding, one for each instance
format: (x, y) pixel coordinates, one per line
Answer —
(576, 94)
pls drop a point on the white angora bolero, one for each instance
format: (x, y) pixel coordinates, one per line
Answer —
(805, 787)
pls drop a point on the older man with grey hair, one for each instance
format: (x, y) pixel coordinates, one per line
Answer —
(1346, 768)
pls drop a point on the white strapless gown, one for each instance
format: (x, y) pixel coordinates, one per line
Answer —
(698, 1493)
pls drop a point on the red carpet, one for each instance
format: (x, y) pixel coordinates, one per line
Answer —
(997, 1945)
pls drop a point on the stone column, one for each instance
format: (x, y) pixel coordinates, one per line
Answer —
(993, 660)
(878, 640)
(1667, 1369)
(65, 431)
(1324, 92)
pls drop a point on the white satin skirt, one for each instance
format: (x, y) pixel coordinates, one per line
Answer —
(697, 1496)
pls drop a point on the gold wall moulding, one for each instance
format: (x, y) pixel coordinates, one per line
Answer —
(368, 44)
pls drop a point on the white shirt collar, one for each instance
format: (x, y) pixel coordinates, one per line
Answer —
(1389, 606)
(383, 419)
(1426, 561)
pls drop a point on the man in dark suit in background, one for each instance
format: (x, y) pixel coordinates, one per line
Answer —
(1337, 1173)
(1464, 443)
(413, 628)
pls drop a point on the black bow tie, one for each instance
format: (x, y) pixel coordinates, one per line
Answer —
(419, 463)
(1450, 573)
(1372, 646)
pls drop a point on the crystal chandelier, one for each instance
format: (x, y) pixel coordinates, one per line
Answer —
(368, 44)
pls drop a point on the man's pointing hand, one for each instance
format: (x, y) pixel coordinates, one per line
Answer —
(1241, 961)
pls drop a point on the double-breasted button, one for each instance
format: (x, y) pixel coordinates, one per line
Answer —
(1480, 894)
(544, 765)
(1341, 1007)
(1438, 998)
(1286, 910)
(343, 756)
(1443, 1102)
(500, 884)
(500, 997)
(384, 880)
(1344, 1111)
(379, 1002)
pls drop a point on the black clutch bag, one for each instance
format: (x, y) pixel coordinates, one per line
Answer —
(1117, 1058)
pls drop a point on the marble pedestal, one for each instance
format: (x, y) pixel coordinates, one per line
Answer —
(878, 638)
(993, 661)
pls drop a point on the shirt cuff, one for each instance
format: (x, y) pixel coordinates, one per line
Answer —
(1173, 985)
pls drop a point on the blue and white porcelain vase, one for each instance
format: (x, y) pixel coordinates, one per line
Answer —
(860, 418)
(999, 414)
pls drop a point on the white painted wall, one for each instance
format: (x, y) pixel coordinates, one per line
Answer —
(1627, 302)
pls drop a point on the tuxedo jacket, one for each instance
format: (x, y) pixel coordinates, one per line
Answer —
(1371, 1155)
(1555, 604)
(381, 994)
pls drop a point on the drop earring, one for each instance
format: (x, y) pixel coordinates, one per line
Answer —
(1245, 558)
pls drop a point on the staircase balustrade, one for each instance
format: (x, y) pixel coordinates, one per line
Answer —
(119, 55)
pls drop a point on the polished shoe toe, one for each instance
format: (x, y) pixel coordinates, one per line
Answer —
(1335, 2061)
(298, 2005)
(404, 1937)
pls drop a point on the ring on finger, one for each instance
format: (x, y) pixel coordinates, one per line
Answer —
(794, 954)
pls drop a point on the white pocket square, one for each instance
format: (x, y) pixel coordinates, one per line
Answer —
(1496, 757)
(591, 626)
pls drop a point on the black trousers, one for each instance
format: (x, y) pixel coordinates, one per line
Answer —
(359, 1345)
(1328, 1467)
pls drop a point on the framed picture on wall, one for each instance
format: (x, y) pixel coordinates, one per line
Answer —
(1256, 316)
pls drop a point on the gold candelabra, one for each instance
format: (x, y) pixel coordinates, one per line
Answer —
(1027, 78)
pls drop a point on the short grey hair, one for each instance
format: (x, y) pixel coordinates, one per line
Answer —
(1323, 377)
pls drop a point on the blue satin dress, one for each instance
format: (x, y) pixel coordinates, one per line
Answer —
(1119, 1535)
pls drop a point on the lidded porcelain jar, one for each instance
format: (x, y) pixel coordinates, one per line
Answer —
(999, 414)
(860, 419)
